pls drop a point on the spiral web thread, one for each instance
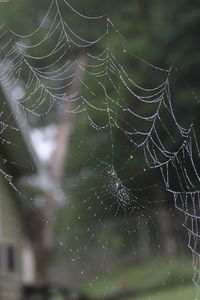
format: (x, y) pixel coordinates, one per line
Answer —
(50, 74)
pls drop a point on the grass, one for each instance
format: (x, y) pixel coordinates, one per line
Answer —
(178, 293)
(158, 280)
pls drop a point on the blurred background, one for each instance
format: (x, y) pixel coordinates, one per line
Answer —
(82, 214)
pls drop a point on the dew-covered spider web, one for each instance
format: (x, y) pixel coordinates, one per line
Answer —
(122, 126)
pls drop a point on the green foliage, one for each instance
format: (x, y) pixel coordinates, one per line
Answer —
(163, 33)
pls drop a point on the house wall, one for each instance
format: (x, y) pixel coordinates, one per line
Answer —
(11, 236)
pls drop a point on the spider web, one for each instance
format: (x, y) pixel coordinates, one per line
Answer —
(38, 69)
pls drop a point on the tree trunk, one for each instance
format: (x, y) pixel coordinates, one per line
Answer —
(56, 172)
(143, 238)
(168, 238)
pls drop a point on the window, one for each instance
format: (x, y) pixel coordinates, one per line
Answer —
(10, 259)
(7, 258)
